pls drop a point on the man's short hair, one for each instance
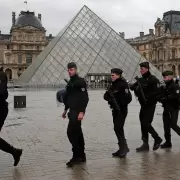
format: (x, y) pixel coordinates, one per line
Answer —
(71, 65)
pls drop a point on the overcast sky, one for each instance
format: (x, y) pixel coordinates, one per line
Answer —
(129, 16)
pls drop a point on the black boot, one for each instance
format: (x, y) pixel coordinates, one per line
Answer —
(157, 143)
(116, 154)
(143, 148)
(83, 157)
(76, 160)
(166, 145)
(16, 153)
(123, 149)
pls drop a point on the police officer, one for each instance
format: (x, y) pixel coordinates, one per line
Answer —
(118, 97)
(4, 146)
(147, 89)
(75, 100)
(170, 101)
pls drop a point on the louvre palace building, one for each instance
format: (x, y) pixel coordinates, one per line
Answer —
(19, 48)
(161, 46)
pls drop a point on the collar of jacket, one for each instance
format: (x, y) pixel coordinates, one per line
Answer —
(72, 78)
(146, 75)
(168, 83)
(117, 80)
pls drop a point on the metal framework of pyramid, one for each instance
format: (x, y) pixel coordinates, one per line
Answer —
(92, 44)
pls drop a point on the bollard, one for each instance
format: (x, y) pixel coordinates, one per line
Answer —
(20, 101)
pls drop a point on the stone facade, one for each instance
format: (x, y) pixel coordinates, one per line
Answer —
(162, 47)
(25, 41)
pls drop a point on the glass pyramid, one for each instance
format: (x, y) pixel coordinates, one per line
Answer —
(92, 44)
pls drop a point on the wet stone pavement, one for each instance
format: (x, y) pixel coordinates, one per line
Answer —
(41, 132)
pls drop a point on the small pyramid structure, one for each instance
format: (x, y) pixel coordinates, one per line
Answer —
(92, 44)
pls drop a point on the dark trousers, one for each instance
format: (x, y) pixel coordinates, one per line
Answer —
(119, 120)
(4, 146)
(75, 134)
(146, 116)
(170, 118)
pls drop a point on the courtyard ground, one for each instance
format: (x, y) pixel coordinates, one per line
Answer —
(41, 132)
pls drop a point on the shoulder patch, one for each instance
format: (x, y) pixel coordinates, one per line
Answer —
(83, 89)
(126, 91)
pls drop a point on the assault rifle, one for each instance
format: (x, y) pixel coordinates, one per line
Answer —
(113, 99)
(141, 89)
(66, 81)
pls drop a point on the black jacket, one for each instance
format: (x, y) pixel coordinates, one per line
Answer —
(169, 95)
(121, 93)
(150, 85)
(76, 97)
(3, 86)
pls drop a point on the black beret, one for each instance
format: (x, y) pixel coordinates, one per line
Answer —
(71, 65)
(116, 71)
(144, 64)
(167, 73)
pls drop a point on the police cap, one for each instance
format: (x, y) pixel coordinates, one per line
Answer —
(144, 64)
(71, 65)
(116, 71)
(167, 73)
(60, 95)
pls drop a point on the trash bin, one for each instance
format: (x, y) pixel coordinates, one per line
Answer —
(20, 101)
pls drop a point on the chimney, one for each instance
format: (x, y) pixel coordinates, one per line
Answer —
(151, 31)
(39, 16)
(122, 34)
(13, 18)
(141, 34)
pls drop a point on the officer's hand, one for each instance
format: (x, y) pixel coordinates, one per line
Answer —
(80, 116)
(64, 115)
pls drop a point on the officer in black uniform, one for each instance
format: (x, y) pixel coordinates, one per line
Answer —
(147, 89)
(4, 146)
(76, 100)
(170, 101)
(118, 97)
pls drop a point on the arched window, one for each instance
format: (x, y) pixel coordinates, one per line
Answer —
(158, 55)
(161, 68)
(9, 73)
(28, 58)
(19, 59)
(174, 70)
(164, 55)
(173, 53)
(179, 70)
